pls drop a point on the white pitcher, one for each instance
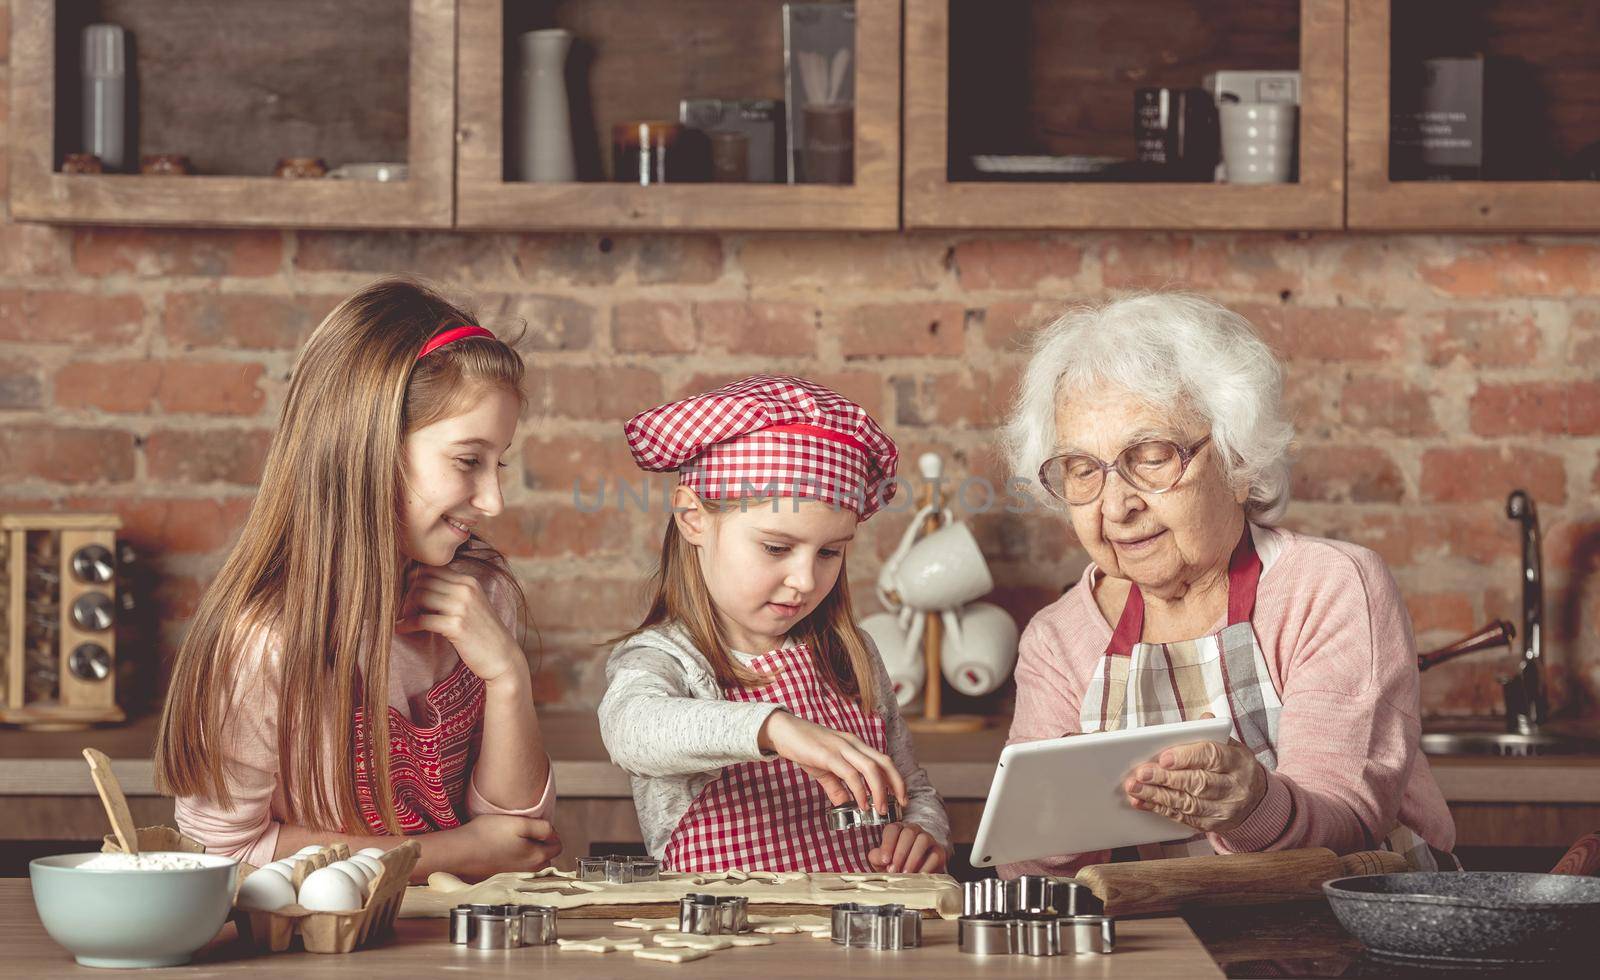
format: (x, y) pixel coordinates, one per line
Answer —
(541, 116)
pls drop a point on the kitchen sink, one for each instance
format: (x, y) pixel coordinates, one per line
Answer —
(1508, 743)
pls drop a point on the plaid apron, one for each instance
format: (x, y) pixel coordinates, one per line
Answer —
(770, 815)
(1138, 684)
(428, 763)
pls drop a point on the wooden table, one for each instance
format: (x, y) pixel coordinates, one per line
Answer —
(1148, 948)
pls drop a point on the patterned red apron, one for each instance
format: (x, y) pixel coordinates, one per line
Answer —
(771, 816)
(428, 763)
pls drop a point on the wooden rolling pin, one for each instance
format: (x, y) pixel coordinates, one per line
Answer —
(1168, 884)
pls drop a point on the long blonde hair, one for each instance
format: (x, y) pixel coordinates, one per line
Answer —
(829, 632)
(318, 563)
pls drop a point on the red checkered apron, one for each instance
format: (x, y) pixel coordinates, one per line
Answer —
(428, 763)
(771, 816)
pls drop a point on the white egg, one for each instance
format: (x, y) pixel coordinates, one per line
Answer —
(330, 890)
(369, 863)
(284, 867)
(372, 852)
(265, 891)
(309, 849)
(357, 874)
(278, 870)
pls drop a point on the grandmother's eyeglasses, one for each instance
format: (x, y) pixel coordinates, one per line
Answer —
(1155, 466)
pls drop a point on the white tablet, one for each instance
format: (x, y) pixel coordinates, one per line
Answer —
(1064, 795)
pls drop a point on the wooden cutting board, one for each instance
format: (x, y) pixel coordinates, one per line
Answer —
(1170, 884)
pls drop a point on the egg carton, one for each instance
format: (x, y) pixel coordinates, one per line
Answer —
(319, 932)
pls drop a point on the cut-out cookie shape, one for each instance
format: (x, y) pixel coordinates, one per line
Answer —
(680, 955)
(647, 925)
(604, 944)
(692, 940)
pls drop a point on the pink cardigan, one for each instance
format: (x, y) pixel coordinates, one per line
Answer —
(1338, 644)
(249, 829)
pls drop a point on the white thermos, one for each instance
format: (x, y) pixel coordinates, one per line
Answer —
(105, 95)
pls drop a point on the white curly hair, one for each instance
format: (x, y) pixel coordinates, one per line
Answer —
(1176, 351)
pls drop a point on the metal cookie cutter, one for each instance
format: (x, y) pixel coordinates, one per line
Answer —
(1035, 935)
(876, 926)
(850, 816)
(713, 915)
(619, 869)
(502, 926)
(1029, 895)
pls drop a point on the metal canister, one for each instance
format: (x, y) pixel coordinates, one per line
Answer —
(538, 925)
(986, 935)
(497, 930)
(1090, 933)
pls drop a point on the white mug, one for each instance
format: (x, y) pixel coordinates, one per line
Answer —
(979, 649)
(904, 662)
(886, 587)
(1258, 141)
(944, 570)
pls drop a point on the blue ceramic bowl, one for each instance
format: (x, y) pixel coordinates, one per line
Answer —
(132, 918)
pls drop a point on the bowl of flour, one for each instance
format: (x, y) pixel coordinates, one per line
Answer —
(133, 910)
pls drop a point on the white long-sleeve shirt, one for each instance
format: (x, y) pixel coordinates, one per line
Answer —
(665, 721)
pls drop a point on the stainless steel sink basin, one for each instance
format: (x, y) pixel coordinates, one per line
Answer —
(1508, 744)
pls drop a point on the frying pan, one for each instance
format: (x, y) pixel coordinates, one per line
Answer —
(1476, 918)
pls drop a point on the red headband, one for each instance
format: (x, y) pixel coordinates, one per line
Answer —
(450, 336)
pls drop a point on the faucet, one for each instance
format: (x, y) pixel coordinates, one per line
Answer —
(1527, 705)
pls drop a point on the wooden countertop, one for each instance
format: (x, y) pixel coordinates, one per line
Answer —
(961, 766)
(1147, 948)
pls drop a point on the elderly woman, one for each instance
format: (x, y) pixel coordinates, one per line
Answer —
(1155, 423)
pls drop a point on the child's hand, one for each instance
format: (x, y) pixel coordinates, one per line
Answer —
(492, 842)
(454, 606)
(907, 848)
(845, 766)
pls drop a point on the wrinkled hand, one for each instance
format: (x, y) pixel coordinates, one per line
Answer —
(907, 848)
(846, 767)
(455, 606)
(1210, 786)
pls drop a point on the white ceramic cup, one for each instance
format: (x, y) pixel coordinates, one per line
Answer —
(1258, 141)
(943, 570)
(905, 664)
(979, 649)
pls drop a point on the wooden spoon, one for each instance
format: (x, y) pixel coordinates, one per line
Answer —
(116, 804)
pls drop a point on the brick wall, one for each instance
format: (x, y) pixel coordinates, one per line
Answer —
(142, 371)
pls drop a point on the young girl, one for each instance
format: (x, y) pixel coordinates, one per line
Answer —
(353, 672)
(748, 703)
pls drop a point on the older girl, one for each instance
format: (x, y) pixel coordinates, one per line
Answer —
(354, 672)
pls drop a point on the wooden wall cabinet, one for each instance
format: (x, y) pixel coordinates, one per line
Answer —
(934, 200)
(40, 192)
(447, 118)
(1381, 204)
(655, 78)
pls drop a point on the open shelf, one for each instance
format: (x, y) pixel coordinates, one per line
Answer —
(1541, 108)
(1064, 84)
(634, 59)
(368, 82)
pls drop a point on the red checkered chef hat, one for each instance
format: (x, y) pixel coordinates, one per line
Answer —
(770, 436)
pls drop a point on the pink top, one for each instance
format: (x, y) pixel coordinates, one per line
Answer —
(248, 830)
(1338, 644)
